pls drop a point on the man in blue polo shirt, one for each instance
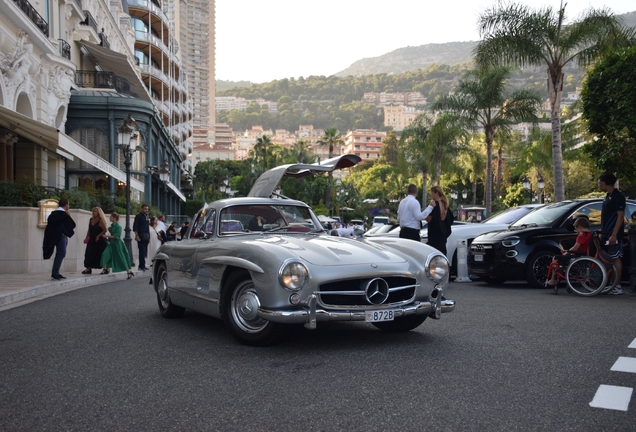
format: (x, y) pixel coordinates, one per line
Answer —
(612, 219)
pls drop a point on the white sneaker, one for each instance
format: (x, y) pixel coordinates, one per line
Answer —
(616, 291)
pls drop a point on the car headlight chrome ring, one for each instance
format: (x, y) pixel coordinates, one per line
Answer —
(293, 275)
(510, 241)
(437, 268)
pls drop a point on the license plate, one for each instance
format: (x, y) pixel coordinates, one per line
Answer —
(479, 257)
(378, 316)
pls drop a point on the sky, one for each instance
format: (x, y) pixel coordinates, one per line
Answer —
(266, 40)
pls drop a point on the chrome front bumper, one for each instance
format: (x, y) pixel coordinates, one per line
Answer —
(311, 313)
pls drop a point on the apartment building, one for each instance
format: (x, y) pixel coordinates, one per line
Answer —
(223, 135)
(239, 103)
(408, 98)
(197, 38)
(208, 152)
(365, 143)
(399, 116)
(70, 74)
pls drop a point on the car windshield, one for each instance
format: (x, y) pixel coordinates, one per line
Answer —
(385, 229)
(508, 216)
(242, 219)
(546, 215)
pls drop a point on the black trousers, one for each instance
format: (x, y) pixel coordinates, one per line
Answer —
(410, 233)
(143, 253)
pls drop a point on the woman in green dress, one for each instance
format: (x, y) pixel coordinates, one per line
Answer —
(116, 256)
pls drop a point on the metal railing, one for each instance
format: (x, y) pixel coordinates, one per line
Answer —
(90, 21)
(33, 15)
(65, 49)
(102, 79)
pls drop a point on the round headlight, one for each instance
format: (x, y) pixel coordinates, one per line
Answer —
(437, 268)
(293, 275)
(510, 241)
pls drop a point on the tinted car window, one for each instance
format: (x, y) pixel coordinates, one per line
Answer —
(546, 215)
(204, 224)
(592, 212)
(293, 218)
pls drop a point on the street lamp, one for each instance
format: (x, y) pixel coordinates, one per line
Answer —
(464, 194)
(127, 142)
(527, 186)
(223, 187)
(541, 185)
(453, 194)
(164, 176)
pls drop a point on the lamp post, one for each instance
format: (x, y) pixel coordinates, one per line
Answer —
(164, 176)
(527, 185)
(223, 187)
(127, 142)
(541, 185)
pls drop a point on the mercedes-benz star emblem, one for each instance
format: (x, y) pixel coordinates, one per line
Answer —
(376, 291)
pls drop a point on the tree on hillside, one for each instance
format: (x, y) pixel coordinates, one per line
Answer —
(514, 34)
(417, 151)
(389, 149)
(332, 139)
(609, 106)
(480, 101)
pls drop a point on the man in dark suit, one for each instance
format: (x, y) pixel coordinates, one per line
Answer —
(141, 227)
(59, 227)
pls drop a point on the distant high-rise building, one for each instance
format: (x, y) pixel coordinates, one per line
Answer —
(197, 38)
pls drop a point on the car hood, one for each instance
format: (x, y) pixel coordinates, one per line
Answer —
(326, 250)
(495, 236)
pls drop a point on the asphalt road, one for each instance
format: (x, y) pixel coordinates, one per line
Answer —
(508, 358)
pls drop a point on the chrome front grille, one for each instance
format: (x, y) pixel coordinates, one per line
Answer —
(352, 293)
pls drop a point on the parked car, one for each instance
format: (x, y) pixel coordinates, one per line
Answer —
(381, 230)
(525, 249)
(380, 220)
(468, 231)
(357, 223)
(292, 272)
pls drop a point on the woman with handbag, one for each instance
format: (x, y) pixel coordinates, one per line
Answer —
(116, 256)
(95, 241)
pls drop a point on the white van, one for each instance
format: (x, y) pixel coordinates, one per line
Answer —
(380, 220)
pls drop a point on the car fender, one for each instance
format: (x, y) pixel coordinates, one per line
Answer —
(545, 244)
(232, 261)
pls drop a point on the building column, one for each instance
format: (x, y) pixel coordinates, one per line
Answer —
(7, 140)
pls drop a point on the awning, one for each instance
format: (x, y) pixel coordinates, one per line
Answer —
(111, 61)
(176, 191)
(60, 143)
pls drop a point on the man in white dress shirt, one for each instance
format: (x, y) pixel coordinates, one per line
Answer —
(410, 214)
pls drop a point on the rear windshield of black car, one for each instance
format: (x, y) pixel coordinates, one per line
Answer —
(546, 215)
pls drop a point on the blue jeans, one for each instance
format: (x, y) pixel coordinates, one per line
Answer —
(60, 253)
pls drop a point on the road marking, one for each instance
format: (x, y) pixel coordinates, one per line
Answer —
(633, 344)
(625, 364)
(612, 397)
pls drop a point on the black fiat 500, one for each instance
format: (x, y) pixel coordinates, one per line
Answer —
(525, 249)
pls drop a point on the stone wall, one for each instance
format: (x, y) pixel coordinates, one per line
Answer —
(21, 247)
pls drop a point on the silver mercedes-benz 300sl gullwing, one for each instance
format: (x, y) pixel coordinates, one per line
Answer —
(262, 263)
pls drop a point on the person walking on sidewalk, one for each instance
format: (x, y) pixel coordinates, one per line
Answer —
(612, 220)
(142, 235)
(95, 243)
(116, 256)
(60, 227)
(411, 216)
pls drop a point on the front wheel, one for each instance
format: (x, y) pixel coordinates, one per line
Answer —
(586, 276)
(537, 268)
(240, 312)
(401, 325)
(167, 309)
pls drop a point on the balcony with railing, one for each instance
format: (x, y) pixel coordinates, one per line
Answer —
(102, 80)
(65, 49)
(90, 21)
(33, 15)
(148, 5)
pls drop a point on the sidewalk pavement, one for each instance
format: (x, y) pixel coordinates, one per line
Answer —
(20, 289)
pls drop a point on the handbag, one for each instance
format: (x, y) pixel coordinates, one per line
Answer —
(87, 239)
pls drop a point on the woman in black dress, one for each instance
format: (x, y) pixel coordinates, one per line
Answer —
(439, 221)
(96, 244)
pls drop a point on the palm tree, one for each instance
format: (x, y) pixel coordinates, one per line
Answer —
(332, 139)
(515, 34)
(479, 101)
(260, 150)
(301, 152)
(473, 161)
(417, 151)
(445, 140)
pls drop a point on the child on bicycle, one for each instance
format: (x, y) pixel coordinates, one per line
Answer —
(582, 227)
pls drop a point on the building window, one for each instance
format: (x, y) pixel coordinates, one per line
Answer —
(93, 139)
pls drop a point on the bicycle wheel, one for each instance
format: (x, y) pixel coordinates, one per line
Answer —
(586, 276)
(612, 279)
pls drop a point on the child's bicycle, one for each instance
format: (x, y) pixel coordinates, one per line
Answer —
(587, 275)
